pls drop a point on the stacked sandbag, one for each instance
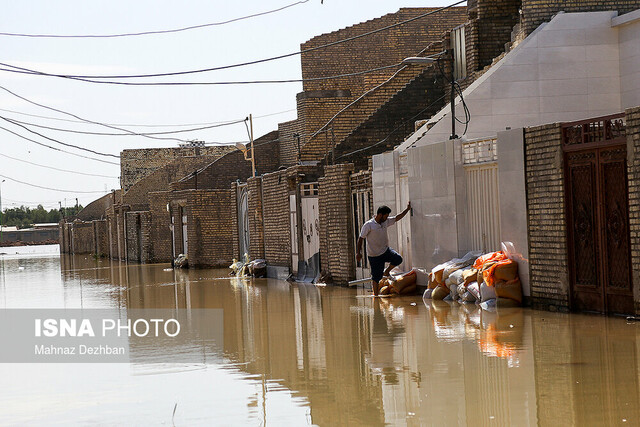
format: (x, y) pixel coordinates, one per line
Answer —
(498, 277)
(401, 285)
(445, 279)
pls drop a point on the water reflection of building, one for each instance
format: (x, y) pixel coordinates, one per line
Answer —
(357, 360)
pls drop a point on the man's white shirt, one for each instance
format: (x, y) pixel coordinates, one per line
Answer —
(376, 235)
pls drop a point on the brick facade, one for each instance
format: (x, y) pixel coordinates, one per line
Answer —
(322, 99)
(547, 223)
(138, 163)
(256, 221)
(100, 238)
(209, 226)
(159, 227)
(138, 236)
(233, 167)
(97, 208)
(535, 12)
(336, 226)
(276, 188)
(81, 237)
(633, 176)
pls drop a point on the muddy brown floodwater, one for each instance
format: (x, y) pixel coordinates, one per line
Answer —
(302, 354)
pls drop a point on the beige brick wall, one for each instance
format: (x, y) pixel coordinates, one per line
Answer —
(633, 175)
(547, 220)
(336, 225)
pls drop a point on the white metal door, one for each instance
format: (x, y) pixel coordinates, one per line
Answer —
(293, 217)
(243, 220)
(185, 241)
(310, 220)
(361, 204)
(483, 203)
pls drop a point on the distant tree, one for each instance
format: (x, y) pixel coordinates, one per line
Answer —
(24, 217)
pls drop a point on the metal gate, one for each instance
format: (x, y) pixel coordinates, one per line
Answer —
(483, 203)
(243, 220)
(362, 211)
(596, 197)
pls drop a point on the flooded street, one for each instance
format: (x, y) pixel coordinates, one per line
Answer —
(302, 354)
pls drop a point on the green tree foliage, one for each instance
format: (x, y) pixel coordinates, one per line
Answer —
(24, 217)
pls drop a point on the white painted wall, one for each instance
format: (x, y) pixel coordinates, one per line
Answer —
(628, 26)
(577, 66)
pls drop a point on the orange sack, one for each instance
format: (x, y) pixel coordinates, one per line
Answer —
(504, 270)
(511, 289)
(492, 256)
(405, 281)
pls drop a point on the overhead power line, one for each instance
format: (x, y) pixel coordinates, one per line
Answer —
(146, 33)
(49, 188)
(57, 169)
(22, 70)
(86, 120)
(126, 134)
(242, 64)
(55, 148)
(77, 147)
(143, 125)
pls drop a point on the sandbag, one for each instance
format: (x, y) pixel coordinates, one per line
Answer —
(385, 290)
(439, 293)
(492, 256)
(437, 275)
(468, 297)
(469, 275)
(511, 289)
(487, 292)
(456, 278)
(462, 289)
(504, 270)
(422, 277)
(474, 289)
(404, 281)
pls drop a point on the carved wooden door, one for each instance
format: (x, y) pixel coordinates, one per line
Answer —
(598, 230)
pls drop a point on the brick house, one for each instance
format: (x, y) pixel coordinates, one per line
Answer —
(509, 178)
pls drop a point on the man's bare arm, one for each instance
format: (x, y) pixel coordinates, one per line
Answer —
(359, 249)
(404, 212)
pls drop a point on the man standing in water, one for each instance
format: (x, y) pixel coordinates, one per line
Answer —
(374, 232)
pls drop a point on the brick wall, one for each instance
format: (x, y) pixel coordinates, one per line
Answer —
(276, 187)
(256, 222)
(138, 236)
(100, 238)
(81, 237)
(496, 19)
(136, 164)
(322, 99)
(633, 176)
(159, 231)
(232, 167)
(535, 12)
(336, 228)
(235, 221)
(394, 120)
(137, 197)
(97, 208)
(209, 226)
(549, 270)
(288, 142)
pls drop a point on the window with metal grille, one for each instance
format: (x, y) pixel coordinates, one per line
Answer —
(459, 53)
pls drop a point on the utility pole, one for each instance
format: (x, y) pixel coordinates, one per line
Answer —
(1, 218)
(253, 155)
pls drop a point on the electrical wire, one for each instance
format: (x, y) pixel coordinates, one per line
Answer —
(125, 134)
(86, 120)
(355, 101)
(394, 130)
(57, 149)
(28, 71)
(57, 141)
(258, 61)
(49, 188)
(146, 33)
(61, 170)
(144, 125)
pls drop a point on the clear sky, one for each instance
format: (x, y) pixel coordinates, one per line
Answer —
(163, 107)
